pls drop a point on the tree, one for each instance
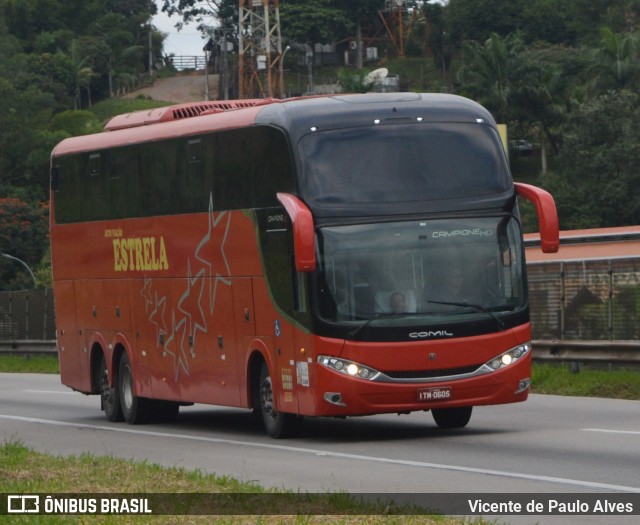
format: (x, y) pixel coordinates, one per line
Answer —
(358, 12)
(311, 22)
(23, 235)
(354, 81)
(204, 12)
(478, 19)
(540, 90)
(598, 176)
(548, 21)
(74, 123)
(616, 62)
(23, 112)
(488, 72)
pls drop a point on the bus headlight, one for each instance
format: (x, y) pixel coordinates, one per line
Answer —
(509, 357)
(350, 368)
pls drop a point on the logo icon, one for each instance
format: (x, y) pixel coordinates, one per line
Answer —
(23, 504)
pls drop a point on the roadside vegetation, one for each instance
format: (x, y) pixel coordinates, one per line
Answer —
(591, 381)
(25, 471)
(37, 364)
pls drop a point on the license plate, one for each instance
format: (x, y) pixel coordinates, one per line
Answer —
(434, 394)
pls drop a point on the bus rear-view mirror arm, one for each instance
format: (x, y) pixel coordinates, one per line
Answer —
(547, 215)
(304, 235)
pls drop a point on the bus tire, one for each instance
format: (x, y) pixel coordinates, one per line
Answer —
(135, 410)
(277, 424)
(452, 417)
(109, 395)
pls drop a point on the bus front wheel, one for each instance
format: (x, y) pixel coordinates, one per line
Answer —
(452, 417)
(277, 424)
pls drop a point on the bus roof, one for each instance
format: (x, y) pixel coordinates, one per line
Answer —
(295, 114)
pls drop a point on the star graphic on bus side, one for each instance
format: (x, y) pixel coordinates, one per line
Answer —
(177, 337)
(190, 303)
(158, 317)
(147, 294)
(210, 252)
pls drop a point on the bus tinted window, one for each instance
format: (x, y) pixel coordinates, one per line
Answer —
(239, 169)
(401, 163)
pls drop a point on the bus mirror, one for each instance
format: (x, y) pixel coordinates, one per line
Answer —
(304, 235)
(547, 215)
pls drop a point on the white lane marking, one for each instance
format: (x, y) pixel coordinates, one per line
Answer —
(611, 431)
(316, 452)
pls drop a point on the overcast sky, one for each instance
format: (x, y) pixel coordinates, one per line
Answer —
(188, 41)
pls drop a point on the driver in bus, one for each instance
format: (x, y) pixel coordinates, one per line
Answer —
(397, 303)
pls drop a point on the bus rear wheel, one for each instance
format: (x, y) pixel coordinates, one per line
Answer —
(277, 424)
(109, 396)
(135, 410)
(452, 417)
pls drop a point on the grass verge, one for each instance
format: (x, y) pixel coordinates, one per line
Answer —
(25, 471)
(588, 382)
(37, 364)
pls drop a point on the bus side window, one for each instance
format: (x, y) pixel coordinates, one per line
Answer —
(92, 204)
(55, 178)
(94, 164)
(194, 151)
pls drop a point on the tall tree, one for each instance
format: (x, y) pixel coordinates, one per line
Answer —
(488, 72)
(616, 62)
(359, 12)
(478, 19)
(598, 176)
(22, 230)
(311, 22)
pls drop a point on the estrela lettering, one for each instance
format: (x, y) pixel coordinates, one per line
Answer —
(140, 253)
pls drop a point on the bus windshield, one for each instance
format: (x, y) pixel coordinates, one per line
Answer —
(393, 163)
(436, 270)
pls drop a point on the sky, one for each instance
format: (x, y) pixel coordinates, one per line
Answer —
(188, 41)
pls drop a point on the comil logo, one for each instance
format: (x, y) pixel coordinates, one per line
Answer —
(430, 333)
(23, 504)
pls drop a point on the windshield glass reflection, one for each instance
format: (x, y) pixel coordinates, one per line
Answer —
(402, 270)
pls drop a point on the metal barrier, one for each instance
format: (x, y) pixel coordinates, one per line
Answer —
(585, 300)
(181, 62)
(27, 315)
(619, 352)
(28, 348)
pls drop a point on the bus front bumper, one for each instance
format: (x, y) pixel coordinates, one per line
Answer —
(341, 394)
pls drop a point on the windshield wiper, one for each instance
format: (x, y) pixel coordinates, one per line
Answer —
(465, 304)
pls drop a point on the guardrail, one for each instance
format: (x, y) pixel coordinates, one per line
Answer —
(28, 348)
(553, 350)
(558, 350)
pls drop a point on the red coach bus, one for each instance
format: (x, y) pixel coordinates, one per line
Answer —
(324, 256)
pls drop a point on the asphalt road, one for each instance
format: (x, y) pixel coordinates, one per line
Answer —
(180, 88)
(548, 445)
